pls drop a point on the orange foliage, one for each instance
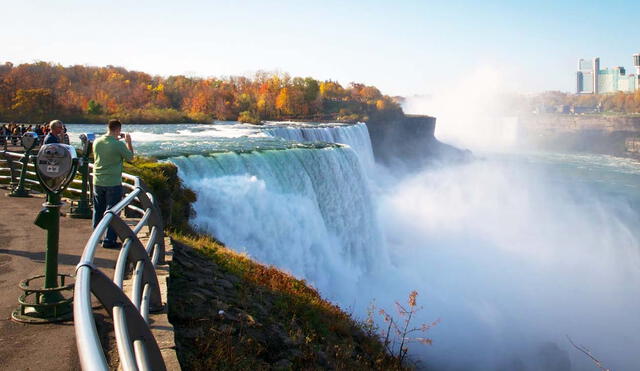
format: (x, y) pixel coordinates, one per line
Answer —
(266, 96)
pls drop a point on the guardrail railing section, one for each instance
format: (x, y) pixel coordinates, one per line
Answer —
(15, 163)
(11, 164)
(137, 348)
(9, 172)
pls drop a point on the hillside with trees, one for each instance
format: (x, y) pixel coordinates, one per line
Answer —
(40, 91)
(610, 103)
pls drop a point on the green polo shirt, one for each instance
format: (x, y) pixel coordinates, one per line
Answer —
(109, 154)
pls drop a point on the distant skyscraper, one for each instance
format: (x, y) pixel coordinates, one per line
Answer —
(590, 79)
(587, 75)
(636, 63)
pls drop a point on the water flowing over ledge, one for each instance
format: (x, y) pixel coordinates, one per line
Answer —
(305, 210)
(356, 136)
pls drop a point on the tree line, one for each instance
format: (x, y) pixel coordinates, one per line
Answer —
(623, 103)
(37, 92)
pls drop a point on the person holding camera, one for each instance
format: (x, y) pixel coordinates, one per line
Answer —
(109, 154)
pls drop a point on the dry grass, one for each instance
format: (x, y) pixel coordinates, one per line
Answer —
(318, 334)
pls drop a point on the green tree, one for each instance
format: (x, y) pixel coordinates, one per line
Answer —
(94, 108)
(311, 89)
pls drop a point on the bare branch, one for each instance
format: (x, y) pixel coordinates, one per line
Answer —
(588, 354)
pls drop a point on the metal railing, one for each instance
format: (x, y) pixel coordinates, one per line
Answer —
(11, 173)
(137, 348)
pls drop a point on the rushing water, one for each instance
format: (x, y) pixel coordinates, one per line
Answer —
(512, 251)
(306, 210)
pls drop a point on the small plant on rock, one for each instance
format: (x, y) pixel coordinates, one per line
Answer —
(400, 333)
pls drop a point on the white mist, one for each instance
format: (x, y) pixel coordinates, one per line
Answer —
(512, 255)
(515, 252)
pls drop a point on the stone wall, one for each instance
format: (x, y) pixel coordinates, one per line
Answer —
(611, 135)
(632, 145)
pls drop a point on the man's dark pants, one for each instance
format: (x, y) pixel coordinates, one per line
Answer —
(105, 198)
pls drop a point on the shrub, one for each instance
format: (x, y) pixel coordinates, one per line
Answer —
(174, 200)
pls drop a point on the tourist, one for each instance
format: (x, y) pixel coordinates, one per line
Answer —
(55, 130)
(109, 153)
(15, 135)
(4, 134)
(64, 136)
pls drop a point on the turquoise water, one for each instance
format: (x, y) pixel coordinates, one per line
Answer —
(513, 251)
(165, 141)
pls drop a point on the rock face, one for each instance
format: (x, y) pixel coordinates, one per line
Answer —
(610, 135)
(632, 145)
(410, 141)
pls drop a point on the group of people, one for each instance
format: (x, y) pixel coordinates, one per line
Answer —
(12, 133)
(109, 152)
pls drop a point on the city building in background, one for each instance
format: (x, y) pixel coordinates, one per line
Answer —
(590, 79)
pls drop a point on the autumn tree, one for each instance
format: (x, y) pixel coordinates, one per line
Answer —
(86, 93)
(33, 105)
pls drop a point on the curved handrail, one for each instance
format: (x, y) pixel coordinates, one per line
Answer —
(136, 345)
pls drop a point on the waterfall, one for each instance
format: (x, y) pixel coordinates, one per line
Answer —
(308, 211)
(356, 136)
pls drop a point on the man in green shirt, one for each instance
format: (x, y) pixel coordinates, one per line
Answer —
(109, 153)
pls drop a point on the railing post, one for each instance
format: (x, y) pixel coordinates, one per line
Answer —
(82, 210)
(12, 170)
(19, 190)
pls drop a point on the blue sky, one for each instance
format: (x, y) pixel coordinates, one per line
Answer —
(402, 47)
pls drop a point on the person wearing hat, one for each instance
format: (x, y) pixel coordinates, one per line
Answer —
(55, 128)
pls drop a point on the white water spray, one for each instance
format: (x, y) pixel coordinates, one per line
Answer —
(511, 252)
(308, 211)
(472, 112)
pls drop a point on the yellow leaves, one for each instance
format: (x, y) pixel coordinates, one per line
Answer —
(261, 104)
(157, 89)
(115, 76)
(282, 101)
(331, 90)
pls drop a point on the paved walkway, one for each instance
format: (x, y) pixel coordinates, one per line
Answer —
(36, 347)
(48, 346)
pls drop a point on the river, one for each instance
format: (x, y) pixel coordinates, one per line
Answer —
(512, 251)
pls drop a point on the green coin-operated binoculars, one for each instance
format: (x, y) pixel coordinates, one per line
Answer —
(29, 142)
(82, 209)
(56, 165)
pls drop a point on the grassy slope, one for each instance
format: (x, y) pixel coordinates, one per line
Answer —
(233, 313)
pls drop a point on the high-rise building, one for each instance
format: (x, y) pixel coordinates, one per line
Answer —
(590, 79)
(586, 77)
(636, 64)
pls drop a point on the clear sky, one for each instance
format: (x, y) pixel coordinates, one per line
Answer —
(402, 47)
